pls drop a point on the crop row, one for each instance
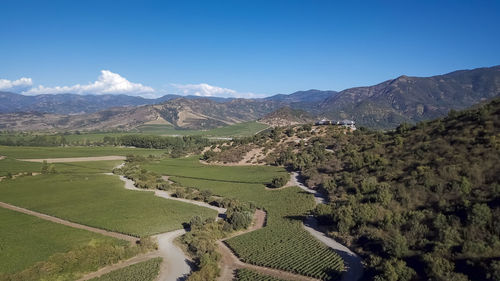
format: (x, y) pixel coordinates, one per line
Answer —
(290, 248)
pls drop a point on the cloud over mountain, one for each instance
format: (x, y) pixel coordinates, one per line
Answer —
(18, 85)
(206, 90)
(107, 83)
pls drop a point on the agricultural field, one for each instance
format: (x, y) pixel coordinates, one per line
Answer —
(26, 152)
(79, 192)
(25, 240)
(13, 166)
(144, 271)
(282, 243)
(249, 275)
(237, 130)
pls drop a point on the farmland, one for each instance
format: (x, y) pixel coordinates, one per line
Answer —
(10, 165)
(144, 271)
(25, 240)
(79, 192)
(55, 152)
(283, 243)
(249, 275)
(237, 130)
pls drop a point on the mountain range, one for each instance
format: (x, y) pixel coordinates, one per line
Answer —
(385, 105)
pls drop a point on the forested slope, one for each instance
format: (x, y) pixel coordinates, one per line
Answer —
(417, 203)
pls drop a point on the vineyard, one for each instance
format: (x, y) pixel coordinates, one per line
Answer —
(144, 271)
(282, 243)
(249, 275)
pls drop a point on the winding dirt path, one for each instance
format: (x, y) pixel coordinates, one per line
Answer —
(353, 263)
(176, 265)
(117, 235)
(75, 159)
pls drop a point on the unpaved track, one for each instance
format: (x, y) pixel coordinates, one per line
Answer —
(230, 262)
(76, 159)
(352, 262)
(175, 265)
(117, 235)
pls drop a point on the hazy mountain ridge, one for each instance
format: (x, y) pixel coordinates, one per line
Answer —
(385, 105)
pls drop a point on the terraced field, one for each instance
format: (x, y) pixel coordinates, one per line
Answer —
(283, 243)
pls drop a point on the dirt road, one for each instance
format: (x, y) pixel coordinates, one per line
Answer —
(175, 265)
(117, 235)
(352, 262)
(76, 159)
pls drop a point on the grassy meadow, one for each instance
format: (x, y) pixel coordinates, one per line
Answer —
(25, 240)
(282, 243)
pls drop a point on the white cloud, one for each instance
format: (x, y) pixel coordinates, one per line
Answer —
(18, 85)
(107, 83)
(206, 90)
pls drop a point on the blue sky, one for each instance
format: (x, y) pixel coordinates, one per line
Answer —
(237, 48)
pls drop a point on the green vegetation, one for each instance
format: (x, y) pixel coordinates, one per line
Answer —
(72, 265)
(79, 192)
(244, 129)
(12, 166)
(283, 235)
(249, 275)
(25, 240)
(144, 271)
(418, 203)
(237, 130)
(61, 152)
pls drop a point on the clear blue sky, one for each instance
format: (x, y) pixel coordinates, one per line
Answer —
(262, 47)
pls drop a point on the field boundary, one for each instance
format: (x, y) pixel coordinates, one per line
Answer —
(121, 236)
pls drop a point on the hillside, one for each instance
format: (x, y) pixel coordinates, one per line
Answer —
(286, 116)
(413, 99)
(419, 203)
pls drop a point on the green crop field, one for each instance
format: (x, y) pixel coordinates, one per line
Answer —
(237, 130)
(144, 271)
(10, 165)
(283, 243)
(25, 240)
(26, 152)
(249, 275)
(79, 192)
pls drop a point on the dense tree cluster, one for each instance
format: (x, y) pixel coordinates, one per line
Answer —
(420, 202)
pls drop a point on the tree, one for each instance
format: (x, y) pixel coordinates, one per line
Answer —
(45, 167)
